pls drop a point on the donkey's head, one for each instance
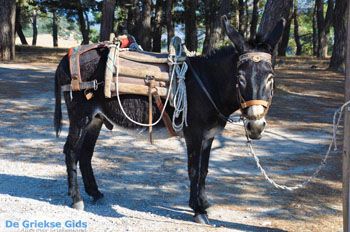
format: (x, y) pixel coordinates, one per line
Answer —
(255, 74)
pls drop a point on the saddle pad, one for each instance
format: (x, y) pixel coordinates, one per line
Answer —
(74, 61)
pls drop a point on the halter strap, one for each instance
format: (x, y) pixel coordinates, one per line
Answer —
(250, 103)
(255, 57)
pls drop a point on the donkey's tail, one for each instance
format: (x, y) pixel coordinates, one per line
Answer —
(58, 109)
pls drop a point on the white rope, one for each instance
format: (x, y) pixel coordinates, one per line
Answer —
(180, 97)
(121, 106)
(336, 123)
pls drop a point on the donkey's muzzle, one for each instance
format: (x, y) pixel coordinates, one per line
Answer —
(255, 128)
(255, 121)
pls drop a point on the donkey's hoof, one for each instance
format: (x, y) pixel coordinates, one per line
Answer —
(78, 205)
(201, 219)
(99, 199)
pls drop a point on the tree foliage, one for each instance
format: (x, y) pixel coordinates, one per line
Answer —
(154, 22)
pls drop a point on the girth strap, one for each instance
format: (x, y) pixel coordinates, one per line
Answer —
(81, 86)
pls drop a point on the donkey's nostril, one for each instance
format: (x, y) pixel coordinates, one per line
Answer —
(249, 127)
(264, 124)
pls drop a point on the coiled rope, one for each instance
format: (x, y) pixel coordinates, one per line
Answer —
(180, 99)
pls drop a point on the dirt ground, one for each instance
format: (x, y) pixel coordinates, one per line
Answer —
(146, 186)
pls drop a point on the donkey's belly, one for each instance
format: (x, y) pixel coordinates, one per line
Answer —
(158, 132)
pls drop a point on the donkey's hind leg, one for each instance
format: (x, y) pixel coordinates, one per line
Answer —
(91, 134)
(71, 158)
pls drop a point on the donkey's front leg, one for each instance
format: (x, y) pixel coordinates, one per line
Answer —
(198, 149)
(71, 158)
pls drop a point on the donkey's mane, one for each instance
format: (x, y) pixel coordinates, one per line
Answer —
(258, 43)
(220, 52)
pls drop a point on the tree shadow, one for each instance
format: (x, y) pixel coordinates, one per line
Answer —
(52, 191)
(134, 176)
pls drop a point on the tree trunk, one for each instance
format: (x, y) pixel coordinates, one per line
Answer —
(212, 34)
(157, 28)
(241, 16)
(35, 28)
(82, 24)
(87, 21)
(255, 18)
(169, 20)
(18, 26)
(145, 40)
(314, 32)
(7, 29)
(346, 140)
(207, 20)
(54, 28)
(296, 30)
(134, 20)
(328, 24)
(323, 25)
(191, 39)
(273, 12)
(214, 9)
(235, 11)
(282, 48)
(130, 21)
(338, 56)
(320, 27)
(246, 21)
(107, 19)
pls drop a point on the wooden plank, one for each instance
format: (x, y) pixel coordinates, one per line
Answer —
(141, 70)
(138, 81)
(145, 57)
(148, 57)
(126, 88)
(346, 146)
(109, 73)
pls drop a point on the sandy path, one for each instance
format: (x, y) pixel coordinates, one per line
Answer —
(146, 186)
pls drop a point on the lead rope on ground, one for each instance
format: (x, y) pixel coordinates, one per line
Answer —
(336, 121)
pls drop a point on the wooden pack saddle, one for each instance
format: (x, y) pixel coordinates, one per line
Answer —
(136, 68)
(139, 72)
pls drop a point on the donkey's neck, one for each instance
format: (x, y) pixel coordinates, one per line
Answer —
(218, 72)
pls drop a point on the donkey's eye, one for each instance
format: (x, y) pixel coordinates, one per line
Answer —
(242, 81)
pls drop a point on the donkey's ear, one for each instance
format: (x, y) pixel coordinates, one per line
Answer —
(275, 35)
(236, 38)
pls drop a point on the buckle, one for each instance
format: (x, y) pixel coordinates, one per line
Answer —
(256, 58)
(95, 85)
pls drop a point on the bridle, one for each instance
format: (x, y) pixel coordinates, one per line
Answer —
(250, 56)
(255, 57)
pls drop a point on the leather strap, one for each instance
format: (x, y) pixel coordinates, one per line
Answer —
(166, 118)
(74, 62)
(80, 86)
(75, 85)
(255, 57)
(254, 103)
